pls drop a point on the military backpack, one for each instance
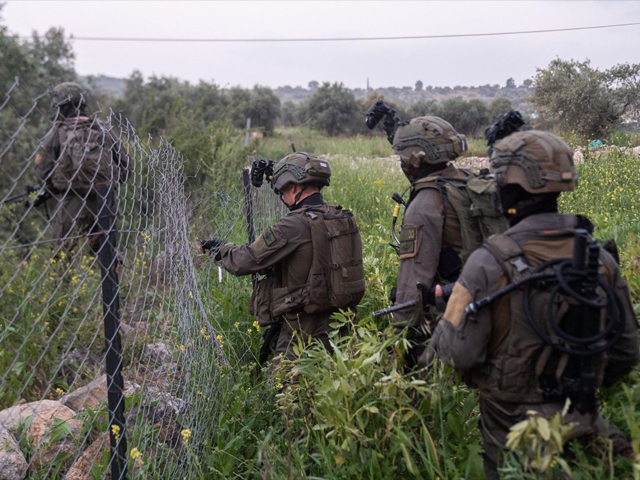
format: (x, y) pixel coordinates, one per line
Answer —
(86, 157)
(475, 202)
(336, 277)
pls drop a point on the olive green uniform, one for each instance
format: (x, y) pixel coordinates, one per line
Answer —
(431, 241)
(284, 252)
(76, 207)
(506, 372)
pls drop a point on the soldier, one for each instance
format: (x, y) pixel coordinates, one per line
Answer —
(434, 241)
(522, 351)
(311, 259)
(77, 154)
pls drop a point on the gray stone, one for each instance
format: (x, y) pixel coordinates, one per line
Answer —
(93, 393)
(41, 417)
(81, 469)
(157, 353)
(13, 465)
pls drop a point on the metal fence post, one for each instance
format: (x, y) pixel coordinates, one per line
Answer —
(107, 256)
(251, 231)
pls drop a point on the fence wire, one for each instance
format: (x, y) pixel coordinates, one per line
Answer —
(58, 405)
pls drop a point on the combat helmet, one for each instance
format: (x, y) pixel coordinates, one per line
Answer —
(432, 135)
(68, 92)
(539, 162)
(300, 167)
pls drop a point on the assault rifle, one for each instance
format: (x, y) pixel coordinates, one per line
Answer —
(428, 298)
(507, 124)
(376, 112)
(42, 197)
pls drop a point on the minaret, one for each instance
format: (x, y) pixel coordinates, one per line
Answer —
(368, 84)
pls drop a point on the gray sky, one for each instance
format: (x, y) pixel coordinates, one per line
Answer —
(458, 61)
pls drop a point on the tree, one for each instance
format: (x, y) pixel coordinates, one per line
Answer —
(313, 85)
(469, 117)
(422, 108)
(419, 85)
(576, 97)
(527, 83)
(41, 62)
(289, 114)
(511, 83)
(497, 107)
(332, 108)
(264, 108)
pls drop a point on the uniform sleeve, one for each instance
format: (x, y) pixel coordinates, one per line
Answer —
(269, 249)
(421, 242)
(462, 340)
(625, 353)
(46, 158)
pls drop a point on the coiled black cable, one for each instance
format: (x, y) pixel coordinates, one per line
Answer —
(563, 276)
(611, 301)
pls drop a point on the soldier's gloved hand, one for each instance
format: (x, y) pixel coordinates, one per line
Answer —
(212, 247)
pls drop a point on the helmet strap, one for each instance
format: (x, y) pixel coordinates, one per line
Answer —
(296, 199)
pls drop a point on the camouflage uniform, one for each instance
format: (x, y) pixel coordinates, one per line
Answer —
(69, 169)
(296, 290)
(430, 237)
(498, 352)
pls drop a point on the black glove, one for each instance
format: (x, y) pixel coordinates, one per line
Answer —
(212, 247)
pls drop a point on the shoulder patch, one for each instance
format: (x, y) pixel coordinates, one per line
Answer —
(408, 240)
(268, 237)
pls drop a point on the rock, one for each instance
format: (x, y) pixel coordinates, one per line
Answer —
(81, 469)
(93, 393)
(166, 405)
(88, 396)
(157, 353)
(13, 465)
(44, 415)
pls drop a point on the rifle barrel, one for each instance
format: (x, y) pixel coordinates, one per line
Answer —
(395, 308)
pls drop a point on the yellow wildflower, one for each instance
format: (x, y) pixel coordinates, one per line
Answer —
(60, 391)
(135, 453)
(186, 435)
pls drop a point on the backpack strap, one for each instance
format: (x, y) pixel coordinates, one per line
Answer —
(506, 251)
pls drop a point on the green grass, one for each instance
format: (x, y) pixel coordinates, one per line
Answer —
(360, 146)
(350, 415)
(338, 421)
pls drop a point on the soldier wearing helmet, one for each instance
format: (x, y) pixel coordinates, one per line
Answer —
(505, 349)
(310, 260)
(78, 153)
(430, 238)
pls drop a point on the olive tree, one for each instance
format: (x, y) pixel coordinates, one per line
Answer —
(332, 108)
(576, 97)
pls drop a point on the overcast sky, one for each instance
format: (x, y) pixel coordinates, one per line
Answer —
(456, 61)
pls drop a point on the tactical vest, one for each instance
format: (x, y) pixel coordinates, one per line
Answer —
(513, 372)
(474, 200)
(336, 277)
(85, 157)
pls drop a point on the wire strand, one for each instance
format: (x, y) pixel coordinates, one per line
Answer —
(339, 39)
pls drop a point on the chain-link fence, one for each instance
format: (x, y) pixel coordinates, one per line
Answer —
(104, 301)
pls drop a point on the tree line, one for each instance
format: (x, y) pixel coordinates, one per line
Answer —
(570, 97)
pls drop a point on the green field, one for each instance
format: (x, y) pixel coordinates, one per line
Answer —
(353, 414)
